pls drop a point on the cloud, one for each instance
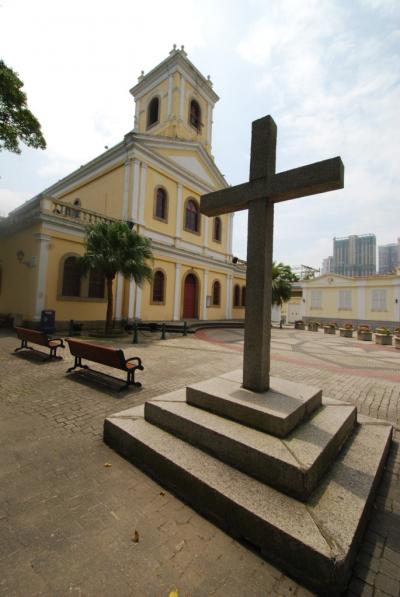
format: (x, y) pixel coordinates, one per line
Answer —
(10, 200)
(327, 72)
(330, 74)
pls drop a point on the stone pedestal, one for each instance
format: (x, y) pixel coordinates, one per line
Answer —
(288, 471)
(346, 333)
(385, 339)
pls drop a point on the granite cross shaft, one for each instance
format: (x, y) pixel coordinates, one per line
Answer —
(259, 195)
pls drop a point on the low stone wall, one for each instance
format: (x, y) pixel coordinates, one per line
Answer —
(356, 322)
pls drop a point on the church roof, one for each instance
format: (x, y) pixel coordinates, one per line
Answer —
(147, 145)
(176, 61)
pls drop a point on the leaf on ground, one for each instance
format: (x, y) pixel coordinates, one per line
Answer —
(135, 537)
(107, 465)
(162, 492)
(173, 593)
(180, 546)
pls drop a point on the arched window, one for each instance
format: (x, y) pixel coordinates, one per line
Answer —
(217, 230)
(192, 216)
(216, 293)
(244, 296)
(236, 296)
(71, 283)
(158, 295)
(195, 115)
(96, 284)
(153, 111)
(161, 204)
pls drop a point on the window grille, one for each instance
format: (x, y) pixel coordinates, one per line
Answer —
(378, 297)
(345, 300)
(316, 299)
(158, 287)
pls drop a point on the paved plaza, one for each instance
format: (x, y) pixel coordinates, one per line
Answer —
(76, 519)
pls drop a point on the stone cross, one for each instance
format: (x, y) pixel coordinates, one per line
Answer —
(259, 195)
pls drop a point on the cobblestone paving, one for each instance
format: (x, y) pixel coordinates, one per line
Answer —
(70, 506)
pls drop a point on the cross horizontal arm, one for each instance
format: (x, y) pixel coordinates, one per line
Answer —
(320, 177)
(233, 198)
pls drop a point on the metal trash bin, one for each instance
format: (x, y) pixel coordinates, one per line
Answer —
(48, 321)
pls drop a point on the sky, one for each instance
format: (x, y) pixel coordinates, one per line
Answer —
(326, 70)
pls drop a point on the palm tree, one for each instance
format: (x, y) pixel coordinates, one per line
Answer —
(282, 277)
(114, 248)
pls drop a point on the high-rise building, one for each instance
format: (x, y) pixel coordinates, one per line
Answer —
(327, 265)
(389, 257)
(355, 255)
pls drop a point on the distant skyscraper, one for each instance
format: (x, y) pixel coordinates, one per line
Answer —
(355, 255)
(327, 265)
(389, 257)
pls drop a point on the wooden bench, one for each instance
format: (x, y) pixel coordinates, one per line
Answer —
(112, 357)
(37, 337)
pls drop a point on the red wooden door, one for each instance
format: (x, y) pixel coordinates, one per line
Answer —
(189, 297)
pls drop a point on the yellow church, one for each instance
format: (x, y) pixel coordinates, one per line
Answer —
(152, 179)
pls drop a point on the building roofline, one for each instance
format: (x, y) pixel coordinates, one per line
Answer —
(176, 60)
(366, 235)
(356, 278)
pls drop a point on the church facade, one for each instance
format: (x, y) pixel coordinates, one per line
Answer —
(153, 179)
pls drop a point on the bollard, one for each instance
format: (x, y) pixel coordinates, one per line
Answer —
(71, 327)
(163, 331)
(135, 334)
(184, 328)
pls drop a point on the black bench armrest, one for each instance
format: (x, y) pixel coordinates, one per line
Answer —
(59, 340)
(139, 362)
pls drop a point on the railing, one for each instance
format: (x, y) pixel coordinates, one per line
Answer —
(75, 213)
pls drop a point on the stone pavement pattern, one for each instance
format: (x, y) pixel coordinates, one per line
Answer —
(68, 518)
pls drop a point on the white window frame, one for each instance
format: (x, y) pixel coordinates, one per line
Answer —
(379, 299)
(345, 300)
(316, 299)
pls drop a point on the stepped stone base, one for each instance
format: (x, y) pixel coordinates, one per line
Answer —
(244, 479)
(276, 411)
(293, 464)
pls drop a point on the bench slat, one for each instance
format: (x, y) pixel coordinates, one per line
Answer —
(35, 336)
(105, 355)
(112, 357)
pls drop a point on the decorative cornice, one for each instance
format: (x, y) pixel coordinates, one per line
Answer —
(169, 143)
(133, 146)
(177, 61)
(184, 256)
(106, 161)
(351, 281)
(183, 175)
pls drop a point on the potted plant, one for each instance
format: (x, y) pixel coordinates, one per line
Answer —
(364, 332)
(330, 328)
(299, 325)
(383, 336)
(347, 330)
(397, 338)
(313, 326)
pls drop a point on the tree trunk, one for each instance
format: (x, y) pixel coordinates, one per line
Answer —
(110, 305)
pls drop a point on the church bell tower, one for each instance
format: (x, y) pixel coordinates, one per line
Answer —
(175, 100)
